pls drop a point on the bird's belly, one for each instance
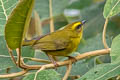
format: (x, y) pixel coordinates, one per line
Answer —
(58, 53)
(67, 51)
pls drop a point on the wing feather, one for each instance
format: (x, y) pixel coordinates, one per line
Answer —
(48, 43)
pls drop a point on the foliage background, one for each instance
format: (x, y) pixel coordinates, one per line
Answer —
(65, 12)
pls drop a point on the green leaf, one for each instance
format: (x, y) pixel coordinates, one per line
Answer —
(115, 49)
(6, 7)
(112, 8)
(18, 23)
(42, 7)
(44, 75)
(102, 72)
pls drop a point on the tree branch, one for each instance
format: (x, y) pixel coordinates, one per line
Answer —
(62, 63)
(81, 56)
(66, 62)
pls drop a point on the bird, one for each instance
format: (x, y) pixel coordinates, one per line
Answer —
(59, 43)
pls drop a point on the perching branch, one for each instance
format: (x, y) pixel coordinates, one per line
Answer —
(62, 63)
(104, 34)
(81, 56)
(66, 62)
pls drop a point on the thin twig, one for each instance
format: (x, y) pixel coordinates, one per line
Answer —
(39, 60)
(69, 67)
(104, 34)
(11, 54)
(42, 68)
(18, 50)
(13, 74)
(51, 17)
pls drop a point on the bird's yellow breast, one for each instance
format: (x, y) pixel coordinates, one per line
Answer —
(75, 43)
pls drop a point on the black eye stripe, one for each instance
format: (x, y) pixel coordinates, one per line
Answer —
(79, 26)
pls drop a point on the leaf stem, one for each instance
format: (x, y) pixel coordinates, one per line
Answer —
(104, 34)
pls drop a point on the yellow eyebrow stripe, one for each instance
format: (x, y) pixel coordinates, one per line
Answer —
(76, 24)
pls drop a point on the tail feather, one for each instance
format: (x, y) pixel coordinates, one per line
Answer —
(28, 42)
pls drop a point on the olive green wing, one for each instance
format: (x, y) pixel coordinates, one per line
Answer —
(50, 44)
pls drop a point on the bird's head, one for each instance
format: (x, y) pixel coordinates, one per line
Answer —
(76, 26)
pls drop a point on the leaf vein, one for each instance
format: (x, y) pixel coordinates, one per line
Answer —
(4, 9)
(107, 72)
(11, 6)
(113, 8)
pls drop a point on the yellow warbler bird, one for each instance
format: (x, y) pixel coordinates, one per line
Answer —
(59, 43)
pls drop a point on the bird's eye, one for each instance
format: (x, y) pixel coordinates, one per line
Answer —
(79, 26)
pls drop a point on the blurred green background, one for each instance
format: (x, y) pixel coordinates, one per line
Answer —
(64, 12)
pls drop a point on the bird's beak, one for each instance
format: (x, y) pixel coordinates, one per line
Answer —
(84, 21)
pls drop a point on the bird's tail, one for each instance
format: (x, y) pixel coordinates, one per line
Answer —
(28, 42)
(32, 41)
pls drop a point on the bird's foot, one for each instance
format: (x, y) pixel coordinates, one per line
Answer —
(52, 60)
(73, 59)
(55, 64)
